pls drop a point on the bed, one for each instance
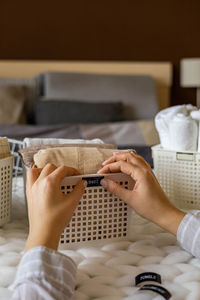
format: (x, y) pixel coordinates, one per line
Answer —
(106, 272)
(141, 88)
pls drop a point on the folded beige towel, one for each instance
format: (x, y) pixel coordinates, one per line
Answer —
(27, 154)
(86, 160)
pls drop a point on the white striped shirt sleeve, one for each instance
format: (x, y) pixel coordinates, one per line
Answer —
(44, 273)
(188, 233)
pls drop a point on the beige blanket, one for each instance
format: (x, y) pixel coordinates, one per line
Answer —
(86, 160)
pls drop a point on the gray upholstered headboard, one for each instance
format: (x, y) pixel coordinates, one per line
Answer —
(160, 71)
(136, 92)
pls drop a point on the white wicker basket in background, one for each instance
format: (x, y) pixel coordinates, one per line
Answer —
(6, 167)
(179, 175)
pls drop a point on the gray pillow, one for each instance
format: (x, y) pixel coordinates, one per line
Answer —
(53, 112)
(138, 93)
(11, 104)
(32, 90)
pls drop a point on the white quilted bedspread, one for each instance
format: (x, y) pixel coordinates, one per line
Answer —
(108, 272)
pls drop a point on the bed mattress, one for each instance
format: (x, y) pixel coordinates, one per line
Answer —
(108, 272)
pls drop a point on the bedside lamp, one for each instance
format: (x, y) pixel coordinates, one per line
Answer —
(190, 75)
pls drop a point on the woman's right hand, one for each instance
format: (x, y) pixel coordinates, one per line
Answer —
(50, 210)
(147, 197)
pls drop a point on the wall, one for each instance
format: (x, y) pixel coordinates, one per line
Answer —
(137, 30)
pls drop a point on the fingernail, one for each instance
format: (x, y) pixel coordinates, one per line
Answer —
(116, 152)
(85, 183)
(133, 152)
(104, 183)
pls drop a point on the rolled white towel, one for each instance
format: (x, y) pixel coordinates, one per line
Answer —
(163, 119)
(190, 108)
(183, 132)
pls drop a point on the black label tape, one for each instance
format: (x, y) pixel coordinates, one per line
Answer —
(93, 181)
(147, 276)
(157, 289)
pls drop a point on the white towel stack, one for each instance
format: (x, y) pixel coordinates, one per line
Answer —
(179, 128)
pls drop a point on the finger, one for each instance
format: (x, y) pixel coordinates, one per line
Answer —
(112, 158)
(115, 189)
(61, 172)
(32, 176)
(142, 160)
(47, 170)
(130, 157)
(75, 196)
(126, 156)
(109, 160)
(121, 166)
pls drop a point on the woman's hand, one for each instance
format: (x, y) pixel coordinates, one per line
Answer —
(49, 210)
(147, 197)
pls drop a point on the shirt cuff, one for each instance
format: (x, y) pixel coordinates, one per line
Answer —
(48, 268)
(188, 233)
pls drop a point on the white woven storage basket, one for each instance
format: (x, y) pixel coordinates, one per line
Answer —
(179, 175)
(6, 166)
(99, 216)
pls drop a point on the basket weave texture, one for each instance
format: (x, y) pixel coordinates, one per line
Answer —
(179, 175)
(6, 165)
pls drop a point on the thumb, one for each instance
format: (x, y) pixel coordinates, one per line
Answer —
(75, 196)
(117, 190)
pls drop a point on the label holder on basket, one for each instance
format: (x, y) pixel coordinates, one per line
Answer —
(185, 156)
(93, 181)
